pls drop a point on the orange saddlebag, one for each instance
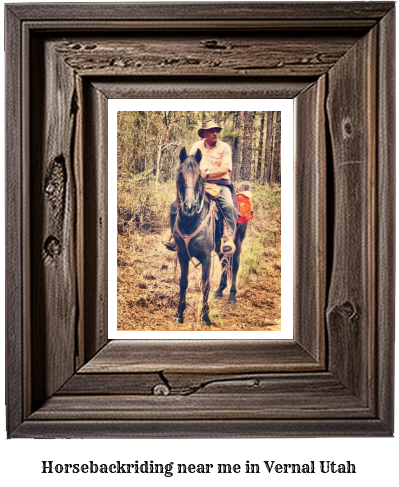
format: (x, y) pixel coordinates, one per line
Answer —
(245, 205)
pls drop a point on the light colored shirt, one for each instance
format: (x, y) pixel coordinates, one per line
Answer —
(217, 156)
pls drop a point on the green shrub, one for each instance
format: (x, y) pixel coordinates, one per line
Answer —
(142, 204)
(263, 230)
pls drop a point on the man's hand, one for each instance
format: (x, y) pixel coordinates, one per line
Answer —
(216, 173)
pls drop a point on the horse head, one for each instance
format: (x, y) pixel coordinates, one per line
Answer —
(190, 183)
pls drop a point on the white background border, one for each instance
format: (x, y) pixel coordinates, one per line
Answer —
(287, 135)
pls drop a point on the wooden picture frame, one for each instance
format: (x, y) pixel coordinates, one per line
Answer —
(335, 378)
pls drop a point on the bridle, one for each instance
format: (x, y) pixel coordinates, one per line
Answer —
(196, 199)
(187, 238)
(199, 207)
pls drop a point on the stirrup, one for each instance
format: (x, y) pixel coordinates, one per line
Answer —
(228, 246)
(171, 244)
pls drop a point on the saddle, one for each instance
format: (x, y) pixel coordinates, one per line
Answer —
(243, 201)
(213, 190)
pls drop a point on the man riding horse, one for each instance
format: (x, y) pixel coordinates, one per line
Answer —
(216, 166)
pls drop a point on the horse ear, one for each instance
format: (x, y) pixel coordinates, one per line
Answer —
(198, 156)
(183, 155)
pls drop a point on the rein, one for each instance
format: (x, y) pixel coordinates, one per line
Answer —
(196, 201)
(187, 238)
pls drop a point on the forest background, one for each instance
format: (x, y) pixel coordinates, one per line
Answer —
(148, 147)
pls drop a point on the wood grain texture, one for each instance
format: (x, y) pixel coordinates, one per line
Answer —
(255, 396)
(385, 244)
(310, 196)
(78, 144)
(184, 384)
(120, 26)
(54, 270)
(95, 220)
(182, 87)
(200, 356)
(247, 11)
(310, 202)
(113, 384)
(14, 239)
(251, 54)
(351, 306)
(190, 428)
(335, 377)
(203, 407)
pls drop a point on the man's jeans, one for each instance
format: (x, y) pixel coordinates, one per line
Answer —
(225, 201)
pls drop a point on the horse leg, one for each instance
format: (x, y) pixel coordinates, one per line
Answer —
(233, 289)
(223, 277)
(183, 288)
(206, 266)
(240, 235)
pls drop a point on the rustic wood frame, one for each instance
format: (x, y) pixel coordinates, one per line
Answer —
(336, 376)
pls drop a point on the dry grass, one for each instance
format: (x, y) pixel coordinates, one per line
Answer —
(148, 279)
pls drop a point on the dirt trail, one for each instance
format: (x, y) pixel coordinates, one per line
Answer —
(148, 277)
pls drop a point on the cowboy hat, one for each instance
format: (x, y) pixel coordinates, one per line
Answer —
(208, 124)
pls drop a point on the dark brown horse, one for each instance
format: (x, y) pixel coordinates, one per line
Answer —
(194, 235)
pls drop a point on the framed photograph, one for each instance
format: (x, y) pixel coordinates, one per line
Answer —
(145, 140)
(65, 66)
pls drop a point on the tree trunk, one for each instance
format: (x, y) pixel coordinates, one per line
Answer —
(268, 148)
(271, 171)
(237, 148)
(247, 147)
(159, 154)
(164, 135)
(258, 174)
(277, 150)
(145, 142)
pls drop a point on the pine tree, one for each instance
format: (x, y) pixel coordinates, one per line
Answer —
(237, 148)
(268, 148)
(277, 150)
(247, 146)
(163, 137)
(260, 148)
